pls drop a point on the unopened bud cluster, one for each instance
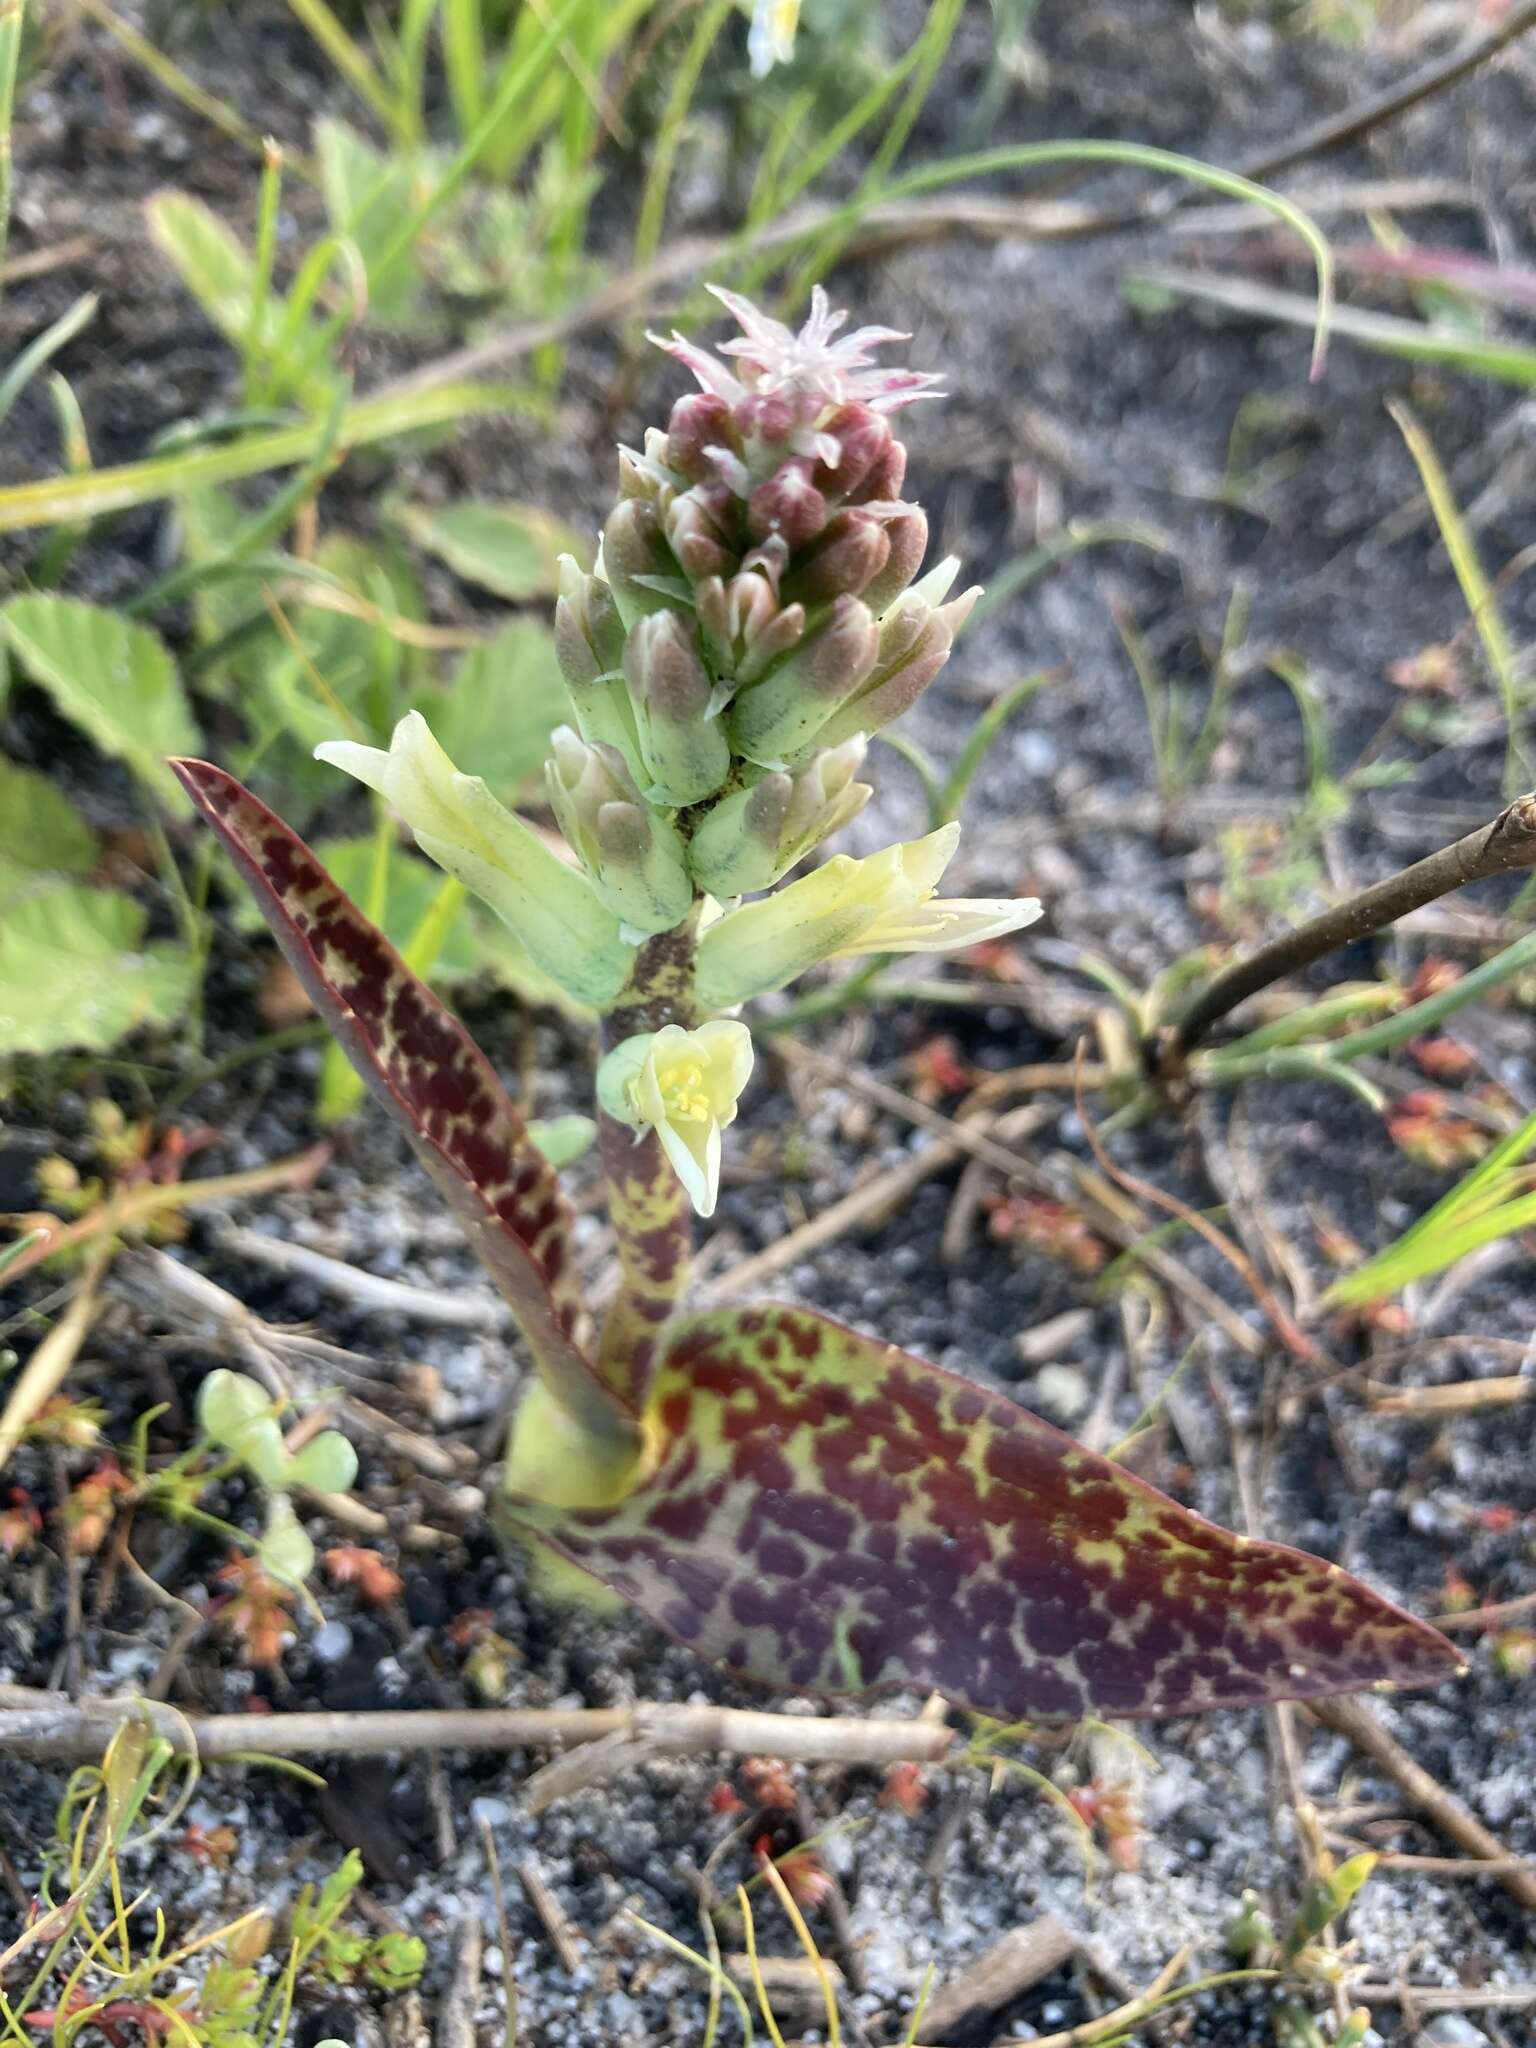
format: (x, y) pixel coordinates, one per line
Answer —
(756, 613)
(754, 617)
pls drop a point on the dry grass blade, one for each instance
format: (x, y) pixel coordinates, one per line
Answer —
(44, 1372)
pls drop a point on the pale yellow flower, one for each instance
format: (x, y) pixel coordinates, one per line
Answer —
(570, 933)
(771, 38)
(883, 904)
(683, 1085)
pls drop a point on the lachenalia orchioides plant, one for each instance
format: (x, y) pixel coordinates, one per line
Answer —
(795, 1501)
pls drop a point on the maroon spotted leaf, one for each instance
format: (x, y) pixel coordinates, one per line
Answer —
(832, 1514)
(428, 1072)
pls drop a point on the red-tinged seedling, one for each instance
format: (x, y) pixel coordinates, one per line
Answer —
(20, 1524)
(794, 1501)
(255, 1609)
(351, 1564)
(769, 1780)
(1424, 1125)
(805, 1876)
(904, 1788)
(1040, 1224)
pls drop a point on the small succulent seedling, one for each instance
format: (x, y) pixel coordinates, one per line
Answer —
(796, 1501)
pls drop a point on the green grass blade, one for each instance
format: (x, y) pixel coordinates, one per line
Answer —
(669, 131)
(978, 741)
(463, 60)
(12, 22)
(43, 346)
(1475, 587)
(53, 500)
(349, 59)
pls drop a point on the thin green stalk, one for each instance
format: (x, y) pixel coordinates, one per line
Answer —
(1476, 590)
(516, 88)
(669, 131)
(57, 551)
(254, 356)
(52, 499)
(349, 59)
(463, 44)
(1231, 1064)
(257, 530)
(931, 48)
(986, 729)
(12, 23)
(1312, 1020)
(411, 63)
(44, 346)
(1073, 539)
(174, 80)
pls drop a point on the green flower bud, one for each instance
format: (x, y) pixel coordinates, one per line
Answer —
(916, 636)
(589, 646)
(907, 535)
(848, 556)
(780, 716)
(683, 750)
(635, 858)
(641, 569)
(755, 835)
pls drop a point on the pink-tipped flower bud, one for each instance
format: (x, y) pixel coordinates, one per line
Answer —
(641, 569)
(780, 716)
(915, 643)
(682, 747)
(847, 556)
(754, 836)
(884, 478)
(697, 423)
(907, 535)
(698, 535)
(767, 417)
(788, 504)
(863, 437)
(636, 860)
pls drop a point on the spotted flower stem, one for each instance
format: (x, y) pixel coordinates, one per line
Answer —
(648, 1206)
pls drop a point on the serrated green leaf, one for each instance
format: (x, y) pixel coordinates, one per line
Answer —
(74, 971)
(503, 547)
(113, 679)
(496, 714)
(41, 832)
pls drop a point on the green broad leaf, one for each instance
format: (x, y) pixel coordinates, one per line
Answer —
(75, 971)
(510, 549)
(820, 1511)
(501, 705)
(326, 1464)
(113, 679)
(41, 832)
(368, 192)
(208, 257)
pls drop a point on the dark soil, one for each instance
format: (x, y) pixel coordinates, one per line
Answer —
(1065, 403)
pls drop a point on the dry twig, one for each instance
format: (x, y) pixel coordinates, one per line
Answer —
(49, 1726)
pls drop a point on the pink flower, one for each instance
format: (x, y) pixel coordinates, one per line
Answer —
(810, 373)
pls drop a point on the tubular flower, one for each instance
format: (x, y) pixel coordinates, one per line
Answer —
(771, 38)
(684, 1085)
(883, 904)
(568, 931)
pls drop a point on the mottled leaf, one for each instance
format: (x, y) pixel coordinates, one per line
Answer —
(431, 1076)
(831, 1514)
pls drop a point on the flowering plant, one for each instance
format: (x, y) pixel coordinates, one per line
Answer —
(796, 1501)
